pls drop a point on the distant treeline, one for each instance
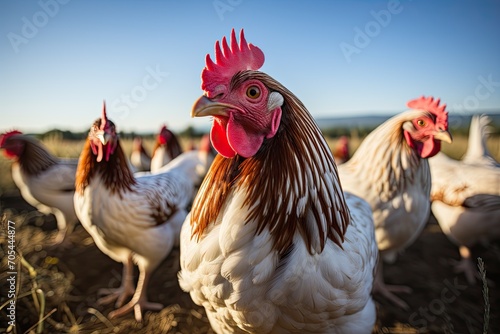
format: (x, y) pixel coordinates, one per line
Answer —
(335, 132)
(191, 132)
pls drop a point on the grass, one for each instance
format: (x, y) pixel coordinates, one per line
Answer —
(482, 274)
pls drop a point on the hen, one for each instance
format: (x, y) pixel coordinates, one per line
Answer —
(166, 149)
(466, 196)
(44, 180)
(341, 150)
(272, 243)
(139, 158)
(131, 219)
(391, 172)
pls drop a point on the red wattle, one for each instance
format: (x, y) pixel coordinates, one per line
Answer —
(219, 138)
(430, 148)
(243, 142)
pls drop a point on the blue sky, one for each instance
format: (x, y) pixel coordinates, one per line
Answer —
(60, 58)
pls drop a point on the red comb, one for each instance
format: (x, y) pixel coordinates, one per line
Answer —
(164, 135)
(104, 117)
(432, 106)
(228, 61)
(7, 135)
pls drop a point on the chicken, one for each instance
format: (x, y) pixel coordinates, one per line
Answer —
(44, 180)
(204, 155)
(341, 150)
(465, 196)
(390, 171)
(139, 158)
(272, 243)
(166, 149)
(131, 219)
(201, 158)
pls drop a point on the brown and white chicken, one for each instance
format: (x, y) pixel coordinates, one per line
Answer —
(391, 172)
(273, 244)
(132, 219)
(166, 149)
(45, 181)
(466, 196)
(140, 158)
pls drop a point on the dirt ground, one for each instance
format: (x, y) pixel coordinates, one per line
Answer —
(69, 279)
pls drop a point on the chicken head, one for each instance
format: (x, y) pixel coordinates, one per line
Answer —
(12, 148)
(425, 132)
(103, 137)
(245, 111)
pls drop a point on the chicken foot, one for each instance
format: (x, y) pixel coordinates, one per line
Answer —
(139, 301)
(388, 291)
(125, 290)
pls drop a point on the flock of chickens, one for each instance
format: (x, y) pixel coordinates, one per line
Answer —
(274, 236)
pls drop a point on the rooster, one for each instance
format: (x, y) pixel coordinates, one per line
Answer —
(391, 172)
(272, 243)
(465, 196)
(166, 149)
(139, 158)
(131, 219)
(45, 181)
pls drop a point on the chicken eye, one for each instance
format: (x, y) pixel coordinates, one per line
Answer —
(421, 122)
(253, 92)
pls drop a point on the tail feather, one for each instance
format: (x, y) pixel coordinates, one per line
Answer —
(477, 150)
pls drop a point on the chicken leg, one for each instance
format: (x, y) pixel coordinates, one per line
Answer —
(466, 265)
(65, 228)
(125, 290)
(139, 301)
(388, 291)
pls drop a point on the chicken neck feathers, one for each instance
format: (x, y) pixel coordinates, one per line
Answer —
(115, 174)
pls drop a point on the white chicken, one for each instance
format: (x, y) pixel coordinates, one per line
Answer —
(44, 180)
(139, 158)
(466, 196)
(391, 172)
(166, 149)
(272, 244)
(131, 219)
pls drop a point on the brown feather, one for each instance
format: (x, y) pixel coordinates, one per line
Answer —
(35, 157)
(272, 173)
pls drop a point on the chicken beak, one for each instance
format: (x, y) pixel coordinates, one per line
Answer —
(206, 107)
(443, 135)
(103, 137)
